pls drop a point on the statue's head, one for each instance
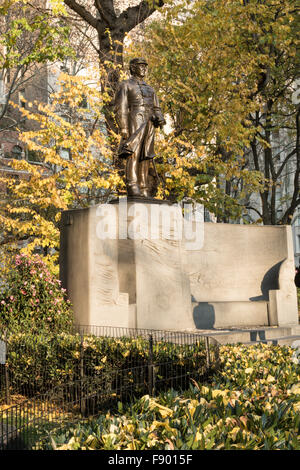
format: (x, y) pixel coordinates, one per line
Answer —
(138, 66)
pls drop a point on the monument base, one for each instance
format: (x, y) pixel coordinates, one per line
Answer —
(141, 200)
(134, 264)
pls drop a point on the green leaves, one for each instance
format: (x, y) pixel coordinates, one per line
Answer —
(217, 66)
(32, 298)
(32, 38)
(236, 410)
(51, 355)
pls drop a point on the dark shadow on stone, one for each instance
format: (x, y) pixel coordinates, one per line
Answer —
(204, 316)
(257, 335)
(142, 200)
(269, 282)
(126, 268)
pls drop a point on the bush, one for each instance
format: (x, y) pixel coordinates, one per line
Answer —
(32, 298)
(252, 402)
(38, 362)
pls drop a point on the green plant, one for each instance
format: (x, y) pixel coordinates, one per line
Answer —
(32, 299)
(38, 362)
(252, 403)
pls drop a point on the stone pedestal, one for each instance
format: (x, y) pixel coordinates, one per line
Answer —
(134, 264)
(122, 266)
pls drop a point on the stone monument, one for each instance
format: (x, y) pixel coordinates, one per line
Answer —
(140, 263)
(122, 267)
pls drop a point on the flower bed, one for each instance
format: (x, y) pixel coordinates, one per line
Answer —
(253, 402)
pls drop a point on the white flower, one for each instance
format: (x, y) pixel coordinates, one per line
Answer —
(296, 354)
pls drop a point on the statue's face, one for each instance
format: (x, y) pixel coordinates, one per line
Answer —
(139, 70)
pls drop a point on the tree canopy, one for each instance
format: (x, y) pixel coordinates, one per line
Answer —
(227, 71)
(74, 169)
(112, 27)
(30, 39)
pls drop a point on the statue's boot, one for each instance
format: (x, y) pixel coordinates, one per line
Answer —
(145, 192)
(133, 190)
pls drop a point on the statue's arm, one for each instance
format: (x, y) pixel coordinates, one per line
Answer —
(158, 115)
(121, 107)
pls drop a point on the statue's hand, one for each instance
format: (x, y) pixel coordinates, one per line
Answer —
(158, 122)
(124, 134)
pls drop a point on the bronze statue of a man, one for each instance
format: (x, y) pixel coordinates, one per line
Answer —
(137, 113)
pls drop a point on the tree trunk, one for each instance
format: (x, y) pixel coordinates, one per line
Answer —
(111, 58)
(111, 31)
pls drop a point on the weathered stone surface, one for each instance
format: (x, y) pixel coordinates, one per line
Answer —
(249, 264)
(138, 275)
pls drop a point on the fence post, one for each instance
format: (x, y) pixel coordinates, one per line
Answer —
(82, 400)
(7, 392)
(208, 361)
(151, 379)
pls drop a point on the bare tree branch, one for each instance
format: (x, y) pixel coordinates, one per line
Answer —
(255, 210)
(133, 16)
(82, 12)
(106, 10)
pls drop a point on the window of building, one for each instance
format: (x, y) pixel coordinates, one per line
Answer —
(16, 152)
(34, 156)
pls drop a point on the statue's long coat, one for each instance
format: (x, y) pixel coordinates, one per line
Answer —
(137, 108)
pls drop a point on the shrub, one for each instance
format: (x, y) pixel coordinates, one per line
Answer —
(38, 362)
(32, 298)
(252, 403)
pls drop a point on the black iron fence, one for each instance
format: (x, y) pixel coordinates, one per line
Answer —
(47, 380)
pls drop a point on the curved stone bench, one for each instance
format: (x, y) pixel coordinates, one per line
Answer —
(235, 275)
(243, 276)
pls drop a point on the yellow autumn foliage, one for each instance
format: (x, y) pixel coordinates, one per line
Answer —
(75, 168)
